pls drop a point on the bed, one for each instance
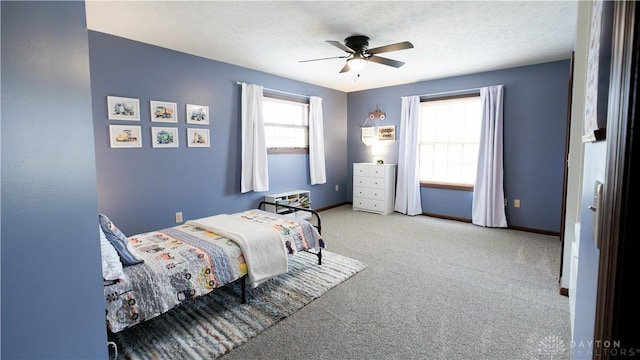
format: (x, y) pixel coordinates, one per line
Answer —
(171, 266)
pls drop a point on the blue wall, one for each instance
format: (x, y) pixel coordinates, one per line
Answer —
(535, 113)
(141, 189)
(52, 300)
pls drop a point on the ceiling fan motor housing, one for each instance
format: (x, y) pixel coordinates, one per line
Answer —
(358, 43)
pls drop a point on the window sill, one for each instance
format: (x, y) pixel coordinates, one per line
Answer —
(287, 151)
(448, 186)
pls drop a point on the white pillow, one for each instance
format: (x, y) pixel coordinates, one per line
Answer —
(111, 265)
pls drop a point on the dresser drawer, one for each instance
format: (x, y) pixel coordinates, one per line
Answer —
(361, 169)
(370, 182)
(369, 193)
(368, 204)
(377, 171)
(369, 170)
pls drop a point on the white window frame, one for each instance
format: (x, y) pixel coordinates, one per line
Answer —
(276, 127)
(448, 145)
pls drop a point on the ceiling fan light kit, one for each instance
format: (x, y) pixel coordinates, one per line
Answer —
(356, 63)
(357, 47)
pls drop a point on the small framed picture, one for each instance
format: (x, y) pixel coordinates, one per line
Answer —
(197, 114)
(387, 132)
(164, 137)
(125, 136)
(162, 111)
(198, 138)
(121, 108)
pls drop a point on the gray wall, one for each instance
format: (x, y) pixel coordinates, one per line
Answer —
(142, 188)
(535, 113)
(52, 301)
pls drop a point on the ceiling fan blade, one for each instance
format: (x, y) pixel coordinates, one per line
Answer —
(391, 47)
(345, 68)
(385, 61)
(341, 46)
(327, 58)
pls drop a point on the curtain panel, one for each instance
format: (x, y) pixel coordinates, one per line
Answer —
(408, 199)
(255, 172)
(488, 193)
(317, 169)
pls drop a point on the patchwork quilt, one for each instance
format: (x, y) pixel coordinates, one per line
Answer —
(187, 261)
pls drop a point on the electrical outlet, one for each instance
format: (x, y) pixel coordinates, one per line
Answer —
(178, 217)
(337, 187)
(516, 203)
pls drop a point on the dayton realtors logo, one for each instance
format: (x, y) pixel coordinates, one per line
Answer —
(554, 347)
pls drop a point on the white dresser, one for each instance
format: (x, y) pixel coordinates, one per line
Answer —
(374, 187)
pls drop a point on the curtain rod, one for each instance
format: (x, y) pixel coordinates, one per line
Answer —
(279, 91)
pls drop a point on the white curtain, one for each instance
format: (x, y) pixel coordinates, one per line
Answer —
(255, 172)
(316, 142)
(488, 192)
(408, 189)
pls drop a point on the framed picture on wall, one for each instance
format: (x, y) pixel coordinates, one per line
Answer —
(198, 138)
(122, 108)
(164, 137)
(387, 133)
(162, 111)
(125, 136)
(197, 114)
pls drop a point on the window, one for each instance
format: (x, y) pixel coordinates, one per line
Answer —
(449, 141)
(286, 123)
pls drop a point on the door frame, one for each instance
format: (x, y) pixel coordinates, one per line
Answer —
(616, 313)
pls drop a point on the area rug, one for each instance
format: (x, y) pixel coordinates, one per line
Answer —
(212, 325)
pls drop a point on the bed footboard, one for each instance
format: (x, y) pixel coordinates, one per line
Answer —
(314, 216)
(318, 225)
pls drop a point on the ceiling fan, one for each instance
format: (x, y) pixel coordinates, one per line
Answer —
(357, 47)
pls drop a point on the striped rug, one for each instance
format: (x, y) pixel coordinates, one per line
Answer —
(210, 326)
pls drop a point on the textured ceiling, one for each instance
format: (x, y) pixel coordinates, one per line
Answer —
(450, 37)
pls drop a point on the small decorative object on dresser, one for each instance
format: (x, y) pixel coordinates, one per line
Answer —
(374, 187)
